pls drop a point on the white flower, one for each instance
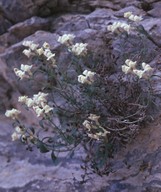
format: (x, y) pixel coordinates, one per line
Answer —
(90, 75)
(129, 66)
(30, 102)
(30, 44)
(147, 67)
(87, 77)
(34, 46)
(20, 74)
(46, 45)
(135, 18)
(66, 39)
(49, 54)
(127, 14)
(146, 72)
(132, 17)
(103, 134)
(98, 130)
(93, 136)
(94, 117)
(26, 68)
(87, 125)
(13, 113)
(130, 63)
(47, 109)
(22, 99)
(40, 51)
(15, 136)
(82, 79)
(79, 49)
(139, 73)
(40, 98)
(119, 25)
(126, 69)
(98, 135)
(27, 43)
(39, 111)
(19, 130)
(27, 52)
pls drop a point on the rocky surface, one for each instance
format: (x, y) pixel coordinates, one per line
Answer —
(136, 168)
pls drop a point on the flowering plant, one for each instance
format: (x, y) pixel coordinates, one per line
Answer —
(90, 109)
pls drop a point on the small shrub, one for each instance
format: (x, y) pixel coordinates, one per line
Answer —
(78, 105)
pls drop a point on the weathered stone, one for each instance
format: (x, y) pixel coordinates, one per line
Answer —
(17, 10)
(22, 170)
(135, 10)
(21, 30)
(153, 27)
(5, 24)
(100, 18)
(155, 12)
(28, 27)
(69, 23)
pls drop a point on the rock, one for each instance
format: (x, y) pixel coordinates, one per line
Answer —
(155, 12)
(153, 27)
(69, 23)
(21, 30)
(100, 18)
(22, 170)
(28, 27)
(5, 24)
(17, 11)
(135, 10)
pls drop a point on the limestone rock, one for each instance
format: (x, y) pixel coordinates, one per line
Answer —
(5, 24)
(153, 27)
(155, 12)
(28, 27)
(16, 10)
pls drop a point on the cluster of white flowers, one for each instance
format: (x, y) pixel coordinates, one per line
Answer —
(24, 71)
(132, 17)
(130, 67)
(49, 55)
(66, 39)
(31, 45)
(117, 26)
(17, 133)
(146, 72)
(38, 103)
(33, 49)
(13, 113)
(87, 77)
(78, 49)
(93, 124)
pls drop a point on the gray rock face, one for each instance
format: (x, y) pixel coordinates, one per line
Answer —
(155, 12)
(16, 11)
(24, 171)
(136, 168)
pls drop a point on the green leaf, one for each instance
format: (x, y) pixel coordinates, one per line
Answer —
(53, 156)
(42, 147)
